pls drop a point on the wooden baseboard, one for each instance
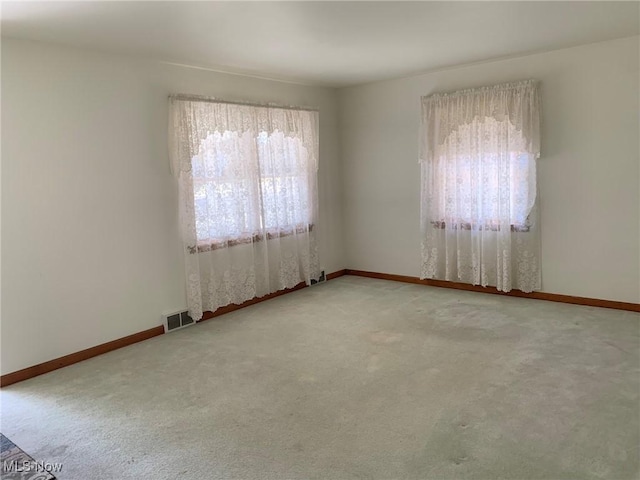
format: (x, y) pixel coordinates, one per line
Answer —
(233, 307)
(339, 273)
(72, 358)
(46, 367)
(552, 297)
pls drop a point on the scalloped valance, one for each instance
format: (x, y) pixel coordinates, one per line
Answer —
(193, 119)
(444, 113)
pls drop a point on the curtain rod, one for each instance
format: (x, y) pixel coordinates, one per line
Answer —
(486, 88)
(202, 98)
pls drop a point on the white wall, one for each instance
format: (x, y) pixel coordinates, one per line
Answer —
(90, 247)
(588, 175)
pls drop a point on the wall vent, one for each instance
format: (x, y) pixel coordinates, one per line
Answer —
(176, 320)
(320, 279)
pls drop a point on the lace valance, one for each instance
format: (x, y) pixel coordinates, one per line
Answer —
(444, 113)
(192, 120)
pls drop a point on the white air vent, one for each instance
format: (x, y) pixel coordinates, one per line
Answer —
(176, 320)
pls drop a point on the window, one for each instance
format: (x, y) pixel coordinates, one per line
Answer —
(241, 198)
(478, 156)
(247, 197)
(482, 178)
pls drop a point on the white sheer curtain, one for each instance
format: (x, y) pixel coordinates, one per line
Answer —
(478, 209)
(248, 198)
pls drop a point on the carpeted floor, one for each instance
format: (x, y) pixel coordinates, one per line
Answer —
(355, 378)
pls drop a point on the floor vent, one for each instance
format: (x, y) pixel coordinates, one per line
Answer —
(320, 279)
(176, 320)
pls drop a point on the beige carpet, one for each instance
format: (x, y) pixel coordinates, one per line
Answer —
(355, 378)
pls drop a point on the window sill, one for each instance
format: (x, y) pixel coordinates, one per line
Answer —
(441, 225)
(257, 237)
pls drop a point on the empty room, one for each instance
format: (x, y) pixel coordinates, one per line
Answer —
(320, 240)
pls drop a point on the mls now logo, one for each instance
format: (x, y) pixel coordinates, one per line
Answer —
(30, 466)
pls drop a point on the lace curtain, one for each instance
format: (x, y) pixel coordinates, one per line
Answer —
(479, 221)
(247, 179)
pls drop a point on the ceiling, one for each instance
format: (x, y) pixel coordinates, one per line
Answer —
(324, 43)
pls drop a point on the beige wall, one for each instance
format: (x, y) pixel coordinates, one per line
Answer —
(588, 175)
(90, 244)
